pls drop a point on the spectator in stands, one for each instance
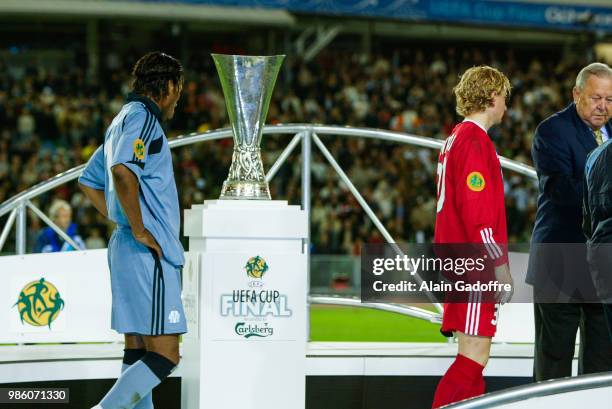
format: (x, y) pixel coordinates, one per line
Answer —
(95, 241)
(400, 89)
(48, 240)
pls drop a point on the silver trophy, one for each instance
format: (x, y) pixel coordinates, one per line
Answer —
(247, 83)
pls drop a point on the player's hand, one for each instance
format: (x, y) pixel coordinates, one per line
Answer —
(145, 237)
(502, 275)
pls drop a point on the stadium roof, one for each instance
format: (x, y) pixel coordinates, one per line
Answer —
(147, 10)
(593, 16)
(597, 3)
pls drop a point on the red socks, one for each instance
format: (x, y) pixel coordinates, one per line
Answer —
(478, 387)
(462, 380)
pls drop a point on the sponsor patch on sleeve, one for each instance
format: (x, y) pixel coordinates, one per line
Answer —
(475, 181)
(139, 149)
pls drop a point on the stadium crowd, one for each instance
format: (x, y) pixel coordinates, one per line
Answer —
(52, 120)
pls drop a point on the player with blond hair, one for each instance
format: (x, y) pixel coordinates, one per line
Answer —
(471, 209)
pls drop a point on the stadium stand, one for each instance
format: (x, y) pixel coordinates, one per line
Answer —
(52, 120)
(64, 74)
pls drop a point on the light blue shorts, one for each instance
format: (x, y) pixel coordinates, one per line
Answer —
(146, 291)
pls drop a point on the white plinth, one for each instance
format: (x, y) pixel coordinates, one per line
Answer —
(246, 343)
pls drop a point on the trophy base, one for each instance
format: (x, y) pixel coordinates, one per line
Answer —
(245, 190)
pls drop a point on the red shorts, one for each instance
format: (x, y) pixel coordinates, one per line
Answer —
(472, 318)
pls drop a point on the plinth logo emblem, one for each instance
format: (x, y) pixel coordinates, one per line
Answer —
(39, 303)
(256, 267)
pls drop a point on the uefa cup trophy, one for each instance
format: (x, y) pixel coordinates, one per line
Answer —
(247, 83)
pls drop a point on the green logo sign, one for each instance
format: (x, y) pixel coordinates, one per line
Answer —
(256, 267)
(39, 303)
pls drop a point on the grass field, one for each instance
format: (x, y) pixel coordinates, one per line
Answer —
(345, 324)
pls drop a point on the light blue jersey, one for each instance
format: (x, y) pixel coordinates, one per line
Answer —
(136, 139)
(146, 290)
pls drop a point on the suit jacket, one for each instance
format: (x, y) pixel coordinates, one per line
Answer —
(561, 145)
(597, 218)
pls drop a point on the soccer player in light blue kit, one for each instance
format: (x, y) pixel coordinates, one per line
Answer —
(130, 180)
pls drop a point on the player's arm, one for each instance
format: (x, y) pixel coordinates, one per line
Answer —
(476, 202)
(91, 181)
(127, 165)
(96, 197)
(127, 188)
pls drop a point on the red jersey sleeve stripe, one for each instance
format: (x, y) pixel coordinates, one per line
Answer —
(494, 252)
(468, 316)
(479, 294)
(493, 241)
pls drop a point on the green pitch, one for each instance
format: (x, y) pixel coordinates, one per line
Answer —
(345, 324)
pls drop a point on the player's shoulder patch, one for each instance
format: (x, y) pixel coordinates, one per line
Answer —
(475, 181)
(139, 149)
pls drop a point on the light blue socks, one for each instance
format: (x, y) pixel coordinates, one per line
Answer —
(133, 389)
(147, 401)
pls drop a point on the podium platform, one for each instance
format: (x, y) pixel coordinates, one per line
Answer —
(244, 290)
(339, 375)
(60, 362)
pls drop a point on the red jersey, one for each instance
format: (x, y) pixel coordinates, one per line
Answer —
(471, 192)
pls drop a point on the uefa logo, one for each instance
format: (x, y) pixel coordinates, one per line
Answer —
(39, 303)
(256, 267)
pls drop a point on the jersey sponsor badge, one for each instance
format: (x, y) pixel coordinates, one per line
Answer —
(174, 317)
(475, 182)
(139, 149)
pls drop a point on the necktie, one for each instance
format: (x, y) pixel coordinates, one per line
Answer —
(598, 136)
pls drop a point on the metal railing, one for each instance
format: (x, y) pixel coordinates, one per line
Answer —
(305, 133)
(354, 302)
(540, 389)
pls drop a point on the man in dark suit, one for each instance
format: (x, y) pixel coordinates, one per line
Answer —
(559, 272)
(597, 222)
